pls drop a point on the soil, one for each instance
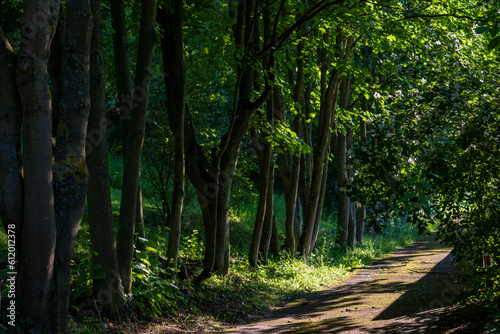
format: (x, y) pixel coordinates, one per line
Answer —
(413, 290)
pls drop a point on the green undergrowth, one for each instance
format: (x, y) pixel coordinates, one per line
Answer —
(245, 292)
(248, 291)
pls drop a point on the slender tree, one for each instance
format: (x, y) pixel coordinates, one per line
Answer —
(329, 92)
(135, 139)
(107, 288)
(172, 44)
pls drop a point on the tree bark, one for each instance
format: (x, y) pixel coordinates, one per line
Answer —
(321, 200)
(275, 246)
(107, 289)
(343, 177)
(267, 153)
(264, 163)
(39, 230)
(344, 203)
(135, 139)
(351, 242)
(11, 180)
(366, 53)
(262, 232)
(360, 225)
(269, 222)
(69, 167)
(121, 58)
(175, 87)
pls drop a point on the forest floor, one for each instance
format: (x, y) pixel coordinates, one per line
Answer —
(413, 290)
(416, 289)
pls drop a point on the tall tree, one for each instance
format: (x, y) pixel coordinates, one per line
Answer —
(39, 228)
(135, 139)
(213, 180)
(107, 288)
(172, 44)
(69, 166)
(262, 232)
(125, 92)
(329, 91)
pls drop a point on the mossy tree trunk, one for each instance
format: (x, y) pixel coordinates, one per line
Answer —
(69, 167)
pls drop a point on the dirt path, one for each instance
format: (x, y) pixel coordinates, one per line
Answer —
(403, 293)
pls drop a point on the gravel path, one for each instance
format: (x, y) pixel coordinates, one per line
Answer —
(403, 293)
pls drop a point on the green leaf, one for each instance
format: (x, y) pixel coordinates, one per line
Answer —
(425, 184)
(409, 206)
(95, 266)
(407, 197)
(480, 30)
(494, 43)
(141, 255)
(412, 180)
(426, 208)
(154, 262)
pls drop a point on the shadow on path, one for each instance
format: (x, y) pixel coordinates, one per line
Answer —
(402, 293)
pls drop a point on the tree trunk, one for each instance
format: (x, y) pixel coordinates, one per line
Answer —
(289, 163)
(351, 242)
(227, 168)
(107, 289)
(55, 70)
(125, 92)
(205, 184)
(275, 246)
(121, 58)
(268, 161)
(351, 235)
(321, 200)
(267, 228)
(327, 110)
(360, 225)
(265, 163)
(343, 176)
(344, 202)
(175, 86)
(69, 168)
(11, 180)
(263, 220)
(132, 158)
(39, 230)
(139, 220)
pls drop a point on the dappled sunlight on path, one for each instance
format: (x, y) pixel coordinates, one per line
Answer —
(403, 293)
